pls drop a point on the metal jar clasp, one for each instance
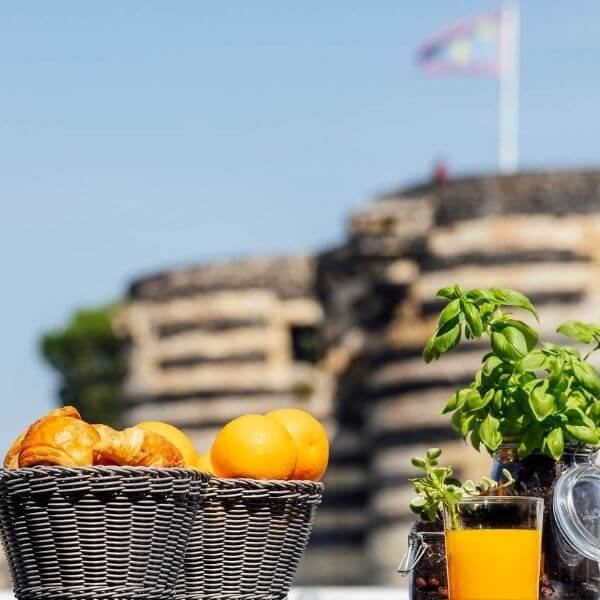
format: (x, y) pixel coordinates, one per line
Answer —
(414, 553)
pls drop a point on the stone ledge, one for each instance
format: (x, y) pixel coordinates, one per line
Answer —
(289, 277)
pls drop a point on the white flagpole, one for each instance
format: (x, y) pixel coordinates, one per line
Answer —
(509, 89)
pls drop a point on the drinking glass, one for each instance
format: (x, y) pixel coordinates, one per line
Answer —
(493, 547)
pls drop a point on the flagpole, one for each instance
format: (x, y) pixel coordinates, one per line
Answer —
(508, 126)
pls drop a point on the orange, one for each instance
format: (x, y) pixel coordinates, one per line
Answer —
(255, 447)
(311, 442)
(203, 463)
(181, 441)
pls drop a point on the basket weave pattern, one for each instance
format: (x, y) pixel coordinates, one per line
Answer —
(248, 539)
(97, 533)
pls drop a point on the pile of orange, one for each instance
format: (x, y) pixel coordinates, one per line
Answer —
(283, 444)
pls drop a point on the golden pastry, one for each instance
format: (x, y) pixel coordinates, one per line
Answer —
(62, 438)
(135, 447)
(66, 441)
(11, 460)
(65, 411)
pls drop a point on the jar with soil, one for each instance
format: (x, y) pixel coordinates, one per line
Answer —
(565, 575)
(425, 562)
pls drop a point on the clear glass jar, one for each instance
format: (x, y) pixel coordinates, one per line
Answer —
(567, 574)
(425, 565)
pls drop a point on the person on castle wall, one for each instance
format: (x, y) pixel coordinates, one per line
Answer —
(441, 173)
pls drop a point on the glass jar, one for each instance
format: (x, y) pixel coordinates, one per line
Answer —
(567, 574)
(425, 565)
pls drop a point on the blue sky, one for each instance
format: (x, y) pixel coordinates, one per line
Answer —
(139, 135)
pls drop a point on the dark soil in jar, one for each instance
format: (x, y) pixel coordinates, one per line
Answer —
(562, 577)
(429, 580)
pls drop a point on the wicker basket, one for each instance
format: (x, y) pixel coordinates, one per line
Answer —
(248, 539)
(97, 533)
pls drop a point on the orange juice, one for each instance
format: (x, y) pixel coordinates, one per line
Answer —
(493, 564)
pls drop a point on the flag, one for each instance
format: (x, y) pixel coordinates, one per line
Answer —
(472, 46)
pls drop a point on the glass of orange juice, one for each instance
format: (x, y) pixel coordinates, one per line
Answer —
(493, 547)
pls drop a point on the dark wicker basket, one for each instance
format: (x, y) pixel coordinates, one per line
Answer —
(97, 533)
(248, 539)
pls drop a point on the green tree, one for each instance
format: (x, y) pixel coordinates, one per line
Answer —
(91, 361)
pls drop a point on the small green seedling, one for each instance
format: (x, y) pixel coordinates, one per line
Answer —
(437, 488)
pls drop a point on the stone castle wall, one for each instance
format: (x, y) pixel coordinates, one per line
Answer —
(211, 343)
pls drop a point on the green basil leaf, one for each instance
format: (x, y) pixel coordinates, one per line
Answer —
(473, 319)
(452, 404)
(451, 310)
(457, 419)
(532, 337)
(498, 401)
(447, 292)
(583, 433)
(508, 297)
(517, 339)
(516, 420)
(490, 363)
(529, 386)
(541, 403)
(479, 295)
(567, 352)
(475, 438)
(582, 332)
(446, 341)
(550, 349)
(586, 375)
(476, 402)
(536, 360)
(478, 379)
(504, 380)
(576, 416)
(594, 412)
(503, 346)
(429, 350)
(576, 400)
(531, 441)
(554, 443)
(525, 378)
(466, 425)
(458, 399)
(487, 310)
(556, 374)
(489, 433)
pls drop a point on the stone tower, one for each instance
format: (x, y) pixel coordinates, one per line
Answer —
(210, 343)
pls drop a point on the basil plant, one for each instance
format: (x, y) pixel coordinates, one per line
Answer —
(541, 396)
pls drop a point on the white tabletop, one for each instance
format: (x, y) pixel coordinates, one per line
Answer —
(348, 593)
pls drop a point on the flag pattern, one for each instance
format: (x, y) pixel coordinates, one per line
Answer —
(472, 46)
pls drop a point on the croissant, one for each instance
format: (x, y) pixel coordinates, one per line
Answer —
(65, 411)
(58, 440)
(11, 460)
(135, 447)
